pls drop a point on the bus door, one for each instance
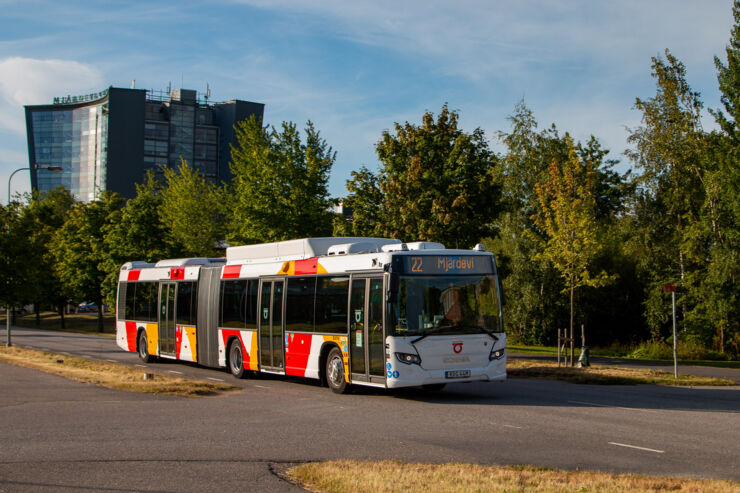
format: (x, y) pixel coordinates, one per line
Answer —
(167, 292)
(367, 347)
(271, 324)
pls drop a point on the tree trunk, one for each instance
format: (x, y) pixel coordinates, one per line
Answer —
(100, 316)
(572, 290)
(37, 310)
(61, 315)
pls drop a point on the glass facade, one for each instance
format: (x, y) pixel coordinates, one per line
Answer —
(110, 144)
(74, 139)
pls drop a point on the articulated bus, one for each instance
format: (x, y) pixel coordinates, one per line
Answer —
(347, 311)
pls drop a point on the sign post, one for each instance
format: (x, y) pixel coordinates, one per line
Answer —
(670, 288)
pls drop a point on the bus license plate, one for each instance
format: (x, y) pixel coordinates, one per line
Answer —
(457, 373)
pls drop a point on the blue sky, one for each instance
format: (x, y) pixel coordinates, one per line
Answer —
(356, 67)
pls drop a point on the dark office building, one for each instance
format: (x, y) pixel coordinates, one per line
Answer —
(109, 140)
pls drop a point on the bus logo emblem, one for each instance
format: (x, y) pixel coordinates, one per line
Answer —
(457, 346)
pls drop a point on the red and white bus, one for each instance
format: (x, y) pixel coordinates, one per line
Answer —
(347, 311)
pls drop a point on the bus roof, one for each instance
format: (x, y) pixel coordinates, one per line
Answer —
(303, 249)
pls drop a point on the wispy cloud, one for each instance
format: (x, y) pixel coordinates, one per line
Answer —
(26, 81)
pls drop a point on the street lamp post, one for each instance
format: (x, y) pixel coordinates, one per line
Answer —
(53, 169)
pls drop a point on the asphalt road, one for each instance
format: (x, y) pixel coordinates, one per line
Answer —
(61, 435)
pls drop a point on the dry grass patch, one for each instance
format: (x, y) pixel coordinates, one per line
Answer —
(605, 375)
(110, 375)
(373, 477)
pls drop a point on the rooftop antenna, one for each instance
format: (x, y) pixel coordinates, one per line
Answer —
(133, 83)
(208, 92)
(169, 87)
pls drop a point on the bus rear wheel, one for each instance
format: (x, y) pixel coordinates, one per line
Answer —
(335, 372)
(236, 359)
(144, 348)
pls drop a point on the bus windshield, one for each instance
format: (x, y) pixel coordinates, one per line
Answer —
(445, 305)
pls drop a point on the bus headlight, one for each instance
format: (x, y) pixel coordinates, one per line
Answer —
(497, 354)
(408, 358)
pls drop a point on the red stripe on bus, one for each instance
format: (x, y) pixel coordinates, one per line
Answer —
(133, 275)
(307, 266)
(297, 351)
(231, 272)
(177, 273)
(131, 334)
(178, 341)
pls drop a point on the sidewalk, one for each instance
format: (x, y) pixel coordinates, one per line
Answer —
(699, 371)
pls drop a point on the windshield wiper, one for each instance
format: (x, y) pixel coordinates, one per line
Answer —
(438, 330)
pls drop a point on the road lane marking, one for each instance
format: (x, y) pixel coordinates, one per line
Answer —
(141, 366)
(613, 407)
(262, 386)
(175, 372)
(638, 448)
(216, 379)
(512, 426)
(111, 361)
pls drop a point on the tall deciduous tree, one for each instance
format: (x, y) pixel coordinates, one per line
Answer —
(670, 147)
(365, 202)
(279, 189)
(567, 219)
(438, 182)
(80, 251)
(191, 210)
(135, 232)
(44, 215)
(14, 289)
(723, 272)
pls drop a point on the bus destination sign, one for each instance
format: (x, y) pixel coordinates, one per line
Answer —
(446, 264)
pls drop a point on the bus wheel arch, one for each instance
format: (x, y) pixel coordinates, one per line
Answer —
(235, 357)
(334, 372)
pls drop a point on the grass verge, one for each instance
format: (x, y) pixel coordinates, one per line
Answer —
(621, 352)
(110, 375)
(604, 375)
(373, 477)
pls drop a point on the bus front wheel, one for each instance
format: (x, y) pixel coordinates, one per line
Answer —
(335, 372)
(236, 359)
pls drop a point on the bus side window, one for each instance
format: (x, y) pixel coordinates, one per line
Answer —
(251, 304)
(233, 304)
(129, 294)
(186, 303)
(299, 305)
(331, 304)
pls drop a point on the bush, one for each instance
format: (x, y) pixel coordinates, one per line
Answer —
(687, 350)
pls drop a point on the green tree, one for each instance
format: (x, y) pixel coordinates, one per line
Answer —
(722, 283)
(279, 190)
(533, 309)
(14, 289)
(567, 220)
(437, 182)
(135, 232)
(44, 215)
(190, 210)
(365, 201)
(80, 251)
(670, 150)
